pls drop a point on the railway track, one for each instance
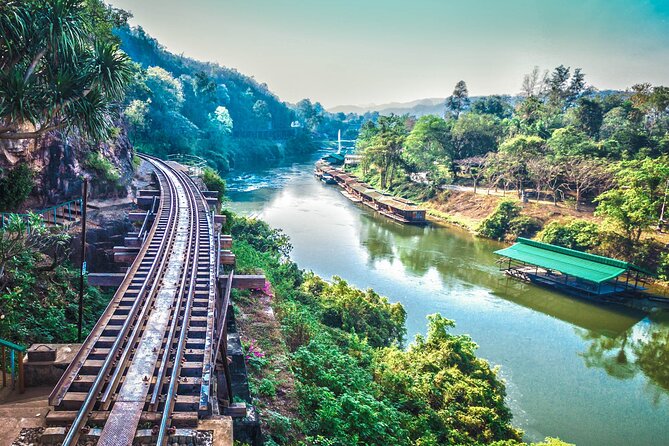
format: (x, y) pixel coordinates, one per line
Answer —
(149, 360)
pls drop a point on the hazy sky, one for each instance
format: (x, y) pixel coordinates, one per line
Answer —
(376, 51)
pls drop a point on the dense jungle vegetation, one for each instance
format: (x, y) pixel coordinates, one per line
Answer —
(76, 68)
(560, 142)
(179, 105)
(355, 384)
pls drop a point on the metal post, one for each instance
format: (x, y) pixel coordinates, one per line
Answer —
(22, 381)
(12, 368)
(4, 367)
(83, 259)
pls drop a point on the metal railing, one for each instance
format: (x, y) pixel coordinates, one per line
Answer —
(194, 163)
(15, 368)
(59, 214)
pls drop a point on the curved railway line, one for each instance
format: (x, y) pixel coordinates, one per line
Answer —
(150, 359)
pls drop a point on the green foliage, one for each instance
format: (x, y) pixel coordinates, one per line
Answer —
(60, 70)
(476, 134)
(260, 236)
(458, 101)
(663, 267)
(497, 225)
(429, 145)
(574, 234)
(38, 301)
(455, 398)
(15, 186)
(354, 384)
(179, 105)
(364, 313)
(382, 146)
(634, 205)
(103, 167)
(213, 181)
(524, 226)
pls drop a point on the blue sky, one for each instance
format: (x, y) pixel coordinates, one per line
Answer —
(377, 51)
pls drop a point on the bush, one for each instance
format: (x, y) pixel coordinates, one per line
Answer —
(15, 187)
(575, 234)
(524, 226)
(103, 166)
(354, 384)
(663, 267)
(213, 181)
(498, 223)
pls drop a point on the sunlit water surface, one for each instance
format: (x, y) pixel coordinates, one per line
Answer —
(589, 374)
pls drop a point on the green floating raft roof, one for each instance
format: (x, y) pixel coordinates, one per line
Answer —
(579, 264)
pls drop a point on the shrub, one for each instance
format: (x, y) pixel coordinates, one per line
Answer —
(213, 181)
(497, 224)
(108, 172)
(575, 234)
(663, 267)
(524, 226)
(15, 187)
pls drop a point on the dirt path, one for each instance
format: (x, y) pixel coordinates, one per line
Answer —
(19, 411)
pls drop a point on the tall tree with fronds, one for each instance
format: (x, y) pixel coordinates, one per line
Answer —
(55, 73)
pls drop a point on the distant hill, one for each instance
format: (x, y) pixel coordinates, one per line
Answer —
(418, 107)
(421, 107)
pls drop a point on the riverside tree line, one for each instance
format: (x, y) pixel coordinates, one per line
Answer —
(560, 140)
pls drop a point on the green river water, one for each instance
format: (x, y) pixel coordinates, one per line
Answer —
(587, 373)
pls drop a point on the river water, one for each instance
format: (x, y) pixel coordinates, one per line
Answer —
(589, 374)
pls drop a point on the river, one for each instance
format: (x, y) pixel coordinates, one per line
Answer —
(590, 374)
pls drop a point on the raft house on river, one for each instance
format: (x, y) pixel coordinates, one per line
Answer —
(571, 271)
(399, 209)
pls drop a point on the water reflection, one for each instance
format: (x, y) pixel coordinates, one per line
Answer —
(643, 348)
(560, 356)
(456, 254)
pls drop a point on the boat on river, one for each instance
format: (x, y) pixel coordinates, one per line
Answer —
(395, 208)
(328, 179)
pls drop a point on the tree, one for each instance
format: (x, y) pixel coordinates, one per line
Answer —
(166, 91)
(534, 83)
(568, 142)
(474, 134)
(518, 151)
(493, 105)
(629, 209)
(585, 174)
(55, 73)
(545, 173)
(429, 145)
(136, 113)
(589, 116)
(565, 88)
(385, 147)
(458, 101)
(637, 201)
(310, 114)
(222, 119)
(262, 113)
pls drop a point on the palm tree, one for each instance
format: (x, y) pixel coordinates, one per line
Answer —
(55, 73)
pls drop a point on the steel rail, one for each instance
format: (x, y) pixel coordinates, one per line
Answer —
(173, 325)
(91, 397)
(132, 339)
(176, 364)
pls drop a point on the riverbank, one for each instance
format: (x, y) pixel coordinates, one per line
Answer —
(444, 269)
(340, 345)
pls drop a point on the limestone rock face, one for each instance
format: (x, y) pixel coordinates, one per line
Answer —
(59, 163)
